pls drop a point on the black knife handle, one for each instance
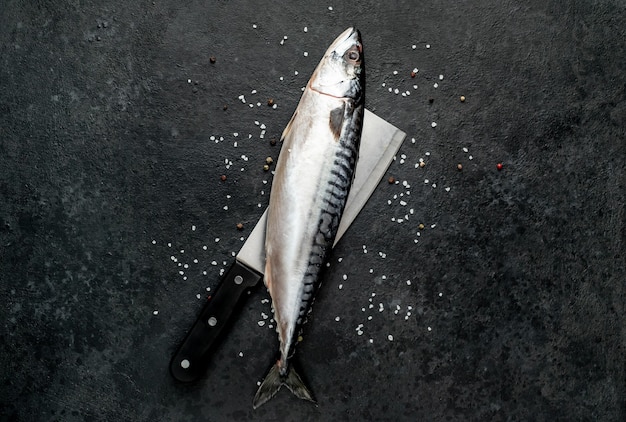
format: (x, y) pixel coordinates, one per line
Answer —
(191, 359)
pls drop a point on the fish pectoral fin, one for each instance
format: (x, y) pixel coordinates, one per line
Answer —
(274, 381)
(287, 129)
(336, 120)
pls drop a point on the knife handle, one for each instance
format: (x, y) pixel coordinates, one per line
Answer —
(190, 361)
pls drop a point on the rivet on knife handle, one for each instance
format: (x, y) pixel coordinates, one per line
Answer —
(191, 359)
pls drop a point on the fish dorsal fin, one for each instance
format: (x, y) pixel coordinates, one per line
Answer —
(288, 127)
(336, 121)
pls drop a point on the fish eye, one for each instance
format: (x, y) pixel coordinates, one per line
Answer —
(353, 55)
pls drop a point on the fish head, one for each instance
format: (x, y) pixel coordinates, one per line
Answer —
(341, 72)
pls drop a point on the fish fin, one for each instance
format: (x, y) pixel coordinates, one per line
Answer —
(269, 387)
(274, 381)
(336, 121)
(268, 270)
(295, 384)
(287, 129)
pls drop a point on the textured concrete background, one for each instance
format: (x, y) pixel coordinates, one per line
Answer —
(507, 305)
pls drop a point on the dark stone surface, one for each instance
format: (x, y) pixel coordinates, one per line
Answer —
(516, 281)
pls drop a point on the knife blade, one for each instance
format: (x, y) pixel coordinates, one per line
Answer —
(380, 141)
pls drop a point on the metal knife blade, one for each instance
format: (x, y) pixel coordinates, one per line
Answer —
(380, 141)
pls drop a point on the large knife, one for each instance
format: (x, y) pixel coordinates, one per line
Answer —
(380, 141)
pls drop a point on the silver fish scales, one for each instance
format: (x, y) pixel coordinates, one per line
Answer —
(313, 176)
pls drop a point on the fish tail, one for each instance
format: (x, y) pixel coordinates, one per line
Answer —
(274, 381)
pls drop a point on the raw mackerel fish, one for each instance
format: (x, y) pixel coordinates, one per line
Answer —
(313, 176)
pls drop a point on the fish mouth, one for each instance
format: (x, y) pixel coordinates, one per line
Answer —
(346, 39)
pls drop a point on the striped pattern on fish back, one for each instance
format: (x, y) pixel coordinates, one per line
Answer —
(335, 193)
